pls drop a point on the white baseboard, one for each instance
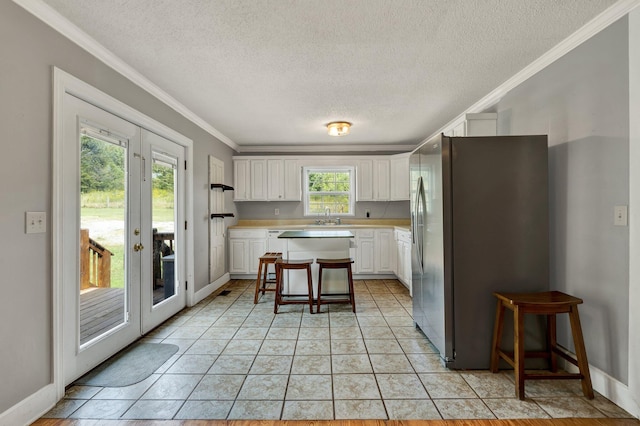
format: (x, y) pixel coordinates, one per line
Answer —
(210, 288)
(31, 408)
(609, 387)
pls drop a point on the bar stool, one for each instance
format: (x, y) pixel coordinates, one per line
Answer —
(293, 265)
(336, 264)
(267, 259)
(547, 303)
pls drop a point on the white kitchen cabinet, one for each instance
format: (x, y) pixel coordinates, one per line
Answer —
(400, 185)
(259, 180)
(381, 179)
(241, 180)
(292, 180)
(283, 180)
(373, 180)
(385, 251)
(245, 248)
(365, 258)
(403, 250)
(275, 180)
(477, 124)
(364, 180)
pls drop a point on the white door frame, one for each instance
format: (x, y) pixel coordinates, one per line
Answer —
(64, 82)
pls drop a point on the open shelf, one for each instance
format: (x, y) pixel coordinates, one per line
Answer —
(223, 215)
(222, 185)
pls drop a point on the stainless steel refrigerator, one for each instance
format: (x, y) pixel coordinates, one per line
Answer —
(479, 222)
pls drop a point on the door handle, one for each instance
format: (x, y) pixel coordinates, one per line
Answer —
(138, 247)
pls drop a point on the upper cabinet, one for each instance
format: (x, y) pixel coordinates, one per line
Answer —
(372, 179)
(400, 185)
(479, 124)
(241, 180)
(267, 179)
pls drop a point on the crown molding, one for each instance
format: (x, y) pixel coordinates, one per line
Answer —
(65, 27)
(313, 149)
(588, 30)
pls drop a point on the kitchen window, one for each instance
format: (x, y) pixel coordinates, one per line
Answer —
(329, 191)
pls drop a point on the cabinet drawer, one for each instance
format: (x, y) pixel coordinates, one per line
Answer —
(247, 233)
(404, 236)
(364, 233)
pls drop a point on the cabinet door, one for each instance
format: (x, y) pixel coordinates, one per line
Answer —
(381, 180)
(364, 180)
(275, 180)
(365, 256)
(292, 180)
(407, 267)
(241, 180)
(258, 180)
(385, 251)
(399, 178)
(257, 248)
(238, 256)
(400, 260)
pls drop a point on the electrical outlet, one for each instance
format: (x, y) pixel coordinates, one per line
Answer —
(276, 212)
(35, 222)
(620, 215)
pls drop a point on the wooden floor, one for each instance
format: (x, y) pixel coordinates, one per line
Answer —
(524, 422)
(100, 310)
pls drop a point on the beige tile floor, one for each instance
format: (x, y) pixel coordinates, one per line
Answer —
(238, 360)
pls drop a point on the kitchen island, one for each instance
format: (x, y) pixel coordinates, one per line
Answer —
(314, 244)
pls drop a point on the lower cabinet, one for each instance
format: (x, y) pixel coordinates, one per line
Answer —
(377, 251)
(245, 249)
(403, 257)
(365, 248)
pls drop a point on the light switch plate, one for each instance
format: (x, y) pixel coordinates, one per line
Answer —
(35, 222)
(620, 215)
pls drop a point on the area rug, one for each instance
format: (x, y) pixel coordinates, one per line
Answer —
(130, 366)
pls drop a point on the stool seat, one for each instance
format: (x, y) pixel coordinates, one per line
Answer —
(285, 299)
(269, 258)
(549, 303)
(344, 263)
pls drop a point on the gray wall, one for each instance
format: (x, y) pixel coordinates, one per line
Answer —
(582, 102)
(28, 51)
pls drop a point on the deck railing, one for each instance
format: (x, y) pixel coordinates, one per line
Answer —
(95, 263)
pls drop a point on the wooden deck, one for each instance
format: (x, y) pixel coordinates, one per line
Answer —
(103, 308)
(100, 310)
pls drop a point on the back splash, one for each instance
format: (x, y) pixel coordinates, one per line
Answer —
(263, 210)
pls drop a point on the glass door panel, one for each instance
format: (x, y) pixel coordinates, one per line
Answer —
(163, 216)
(103, 206)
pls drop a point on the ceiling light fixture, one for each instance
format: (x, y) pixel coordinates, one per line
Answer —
(338, 128)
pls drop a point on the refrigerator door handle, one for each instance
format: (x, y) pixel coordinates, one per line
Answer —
(418, 240)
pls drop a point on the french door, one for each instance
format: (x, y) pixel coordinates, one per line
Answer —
(123, 199)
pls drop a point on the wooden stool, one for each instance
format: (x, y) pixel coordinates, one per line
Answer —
(547, 303)
(336, 264)
(293, 264)
(267, 259)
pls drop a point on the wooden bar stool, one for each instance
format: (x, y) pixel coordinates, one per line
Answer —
(267, 259)
(547, 303)
(288, 299)
(336, 264)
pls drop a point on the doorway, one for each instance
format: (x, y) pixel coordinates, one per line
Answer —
(121, 232)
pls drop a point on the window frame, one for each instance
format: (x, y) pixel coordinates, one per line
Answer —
(324, 169)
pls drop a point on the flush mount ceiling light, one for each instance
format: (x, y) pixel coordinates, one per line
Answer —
(338, 128)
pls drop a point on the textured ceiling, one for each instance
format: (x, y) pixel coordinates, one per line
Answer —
(275, 72)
